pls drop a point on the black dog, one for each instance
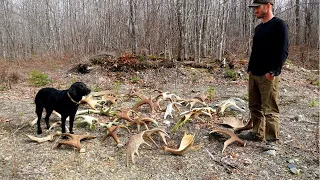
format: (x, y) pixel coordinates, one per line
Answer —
(65, 102)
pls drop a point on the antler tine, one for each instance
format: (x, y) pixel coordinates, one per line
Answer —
(133, 146)
(161, 133)
(246, 127)
(233, 138)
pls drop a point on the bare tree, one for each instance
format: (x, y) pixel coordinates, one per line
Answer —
(180, 28)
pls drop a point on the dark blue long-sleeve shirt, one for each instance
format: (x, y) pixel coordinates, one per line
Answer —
(269, 48)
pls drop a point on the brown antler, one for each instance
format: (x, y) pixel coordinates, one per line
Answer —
(75, 140)
(161, 133)
(137, 140)
(143, 121)
(133, 146)
(125, 114)
(153, 105)
(112, 131)
(233, 137)
(193, 101)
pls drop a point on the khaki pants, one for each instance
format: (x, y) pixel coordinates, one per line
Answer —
(263, 105)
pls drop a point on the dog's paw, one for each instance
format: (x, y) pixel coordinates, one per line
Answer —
(39, 131)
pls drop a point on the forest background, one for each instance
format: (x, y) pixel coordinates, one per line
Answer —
(177, 29)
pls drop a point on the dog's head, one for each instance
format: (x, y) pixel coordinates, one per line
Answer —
(78, 89)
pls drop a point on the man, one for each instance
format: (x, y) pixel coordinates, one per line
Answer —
(269, 52)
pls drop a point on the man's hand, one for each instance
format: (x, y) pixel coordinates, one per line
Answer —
(269, 77)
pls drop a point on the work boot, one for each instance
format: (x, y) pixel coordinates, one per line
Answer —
(250, 136)
(270, 148)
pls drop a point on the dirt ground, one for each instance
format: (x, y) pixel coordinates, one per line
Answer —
(21, 158)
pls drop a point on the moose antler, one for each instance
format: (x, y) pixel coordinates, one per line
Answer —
(233, 138)
(186, 145)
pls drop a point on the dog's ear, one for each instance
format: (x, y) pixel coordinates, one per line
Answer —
(72, 90)
(79, 89)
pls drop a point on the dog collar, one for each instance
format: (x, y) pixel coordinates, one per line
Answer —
(72, 99)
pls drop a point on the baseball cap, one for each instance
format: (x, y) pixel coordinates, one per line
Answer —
(257, 3)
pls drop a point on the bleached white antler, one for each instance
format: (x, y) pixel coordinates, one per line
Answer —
(86, 120)
(170, 108)
(230, 103)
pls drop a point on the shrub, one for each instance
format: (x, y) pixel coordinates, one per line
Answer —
(231, 74)
(134, 79)
(314, 103)
(38, 78)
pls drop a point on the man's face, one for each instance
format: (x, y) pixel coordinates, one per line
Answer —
(260, 11)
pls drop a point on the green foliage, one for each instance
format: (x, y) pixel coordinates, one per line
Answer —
(183, 120)
(316, 82)
(54, 67)
(38, 78)
(142, 58)
(3, 88)
(116, 86)
(314, 103)
(134, 79)
(210, 92)
(97, 88)
(230, 74)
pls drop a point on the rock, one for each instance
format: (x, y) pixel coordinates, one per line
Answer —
(292, 160)
(120, 145)
(8, 158)
(298, 118)
(293, 169)
(82, 150)
(271, 152)
(247, 161)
